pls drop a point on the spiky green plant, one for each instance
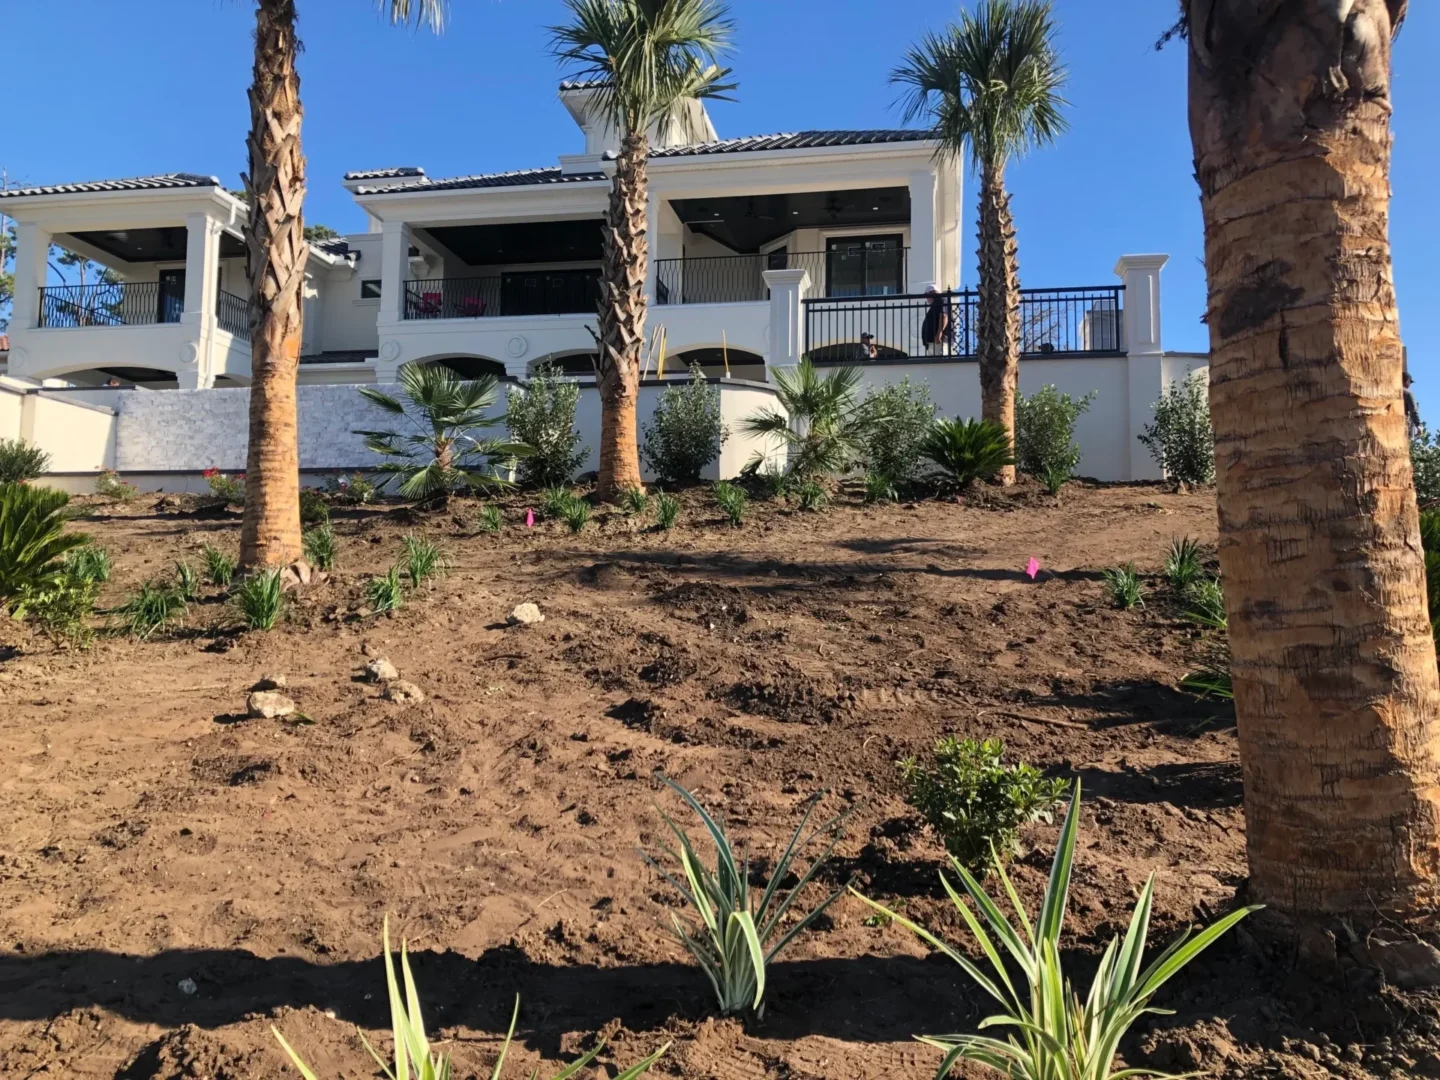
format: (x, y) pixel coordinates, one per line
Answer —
(821, 423)
(576, 514)
(967, 450)
(386, 592)
(554, 500)
(490, 520)
(319, 544)
(413, 1054)
(667, 510)
(732, 500)
(33, 541)
(879, 487)
(1183, 566)
(811, 494)
(423, 560)
(260, 599)
(187, 580)
(774, 483)
(152, 608)
(732, 943)
(88, 563)
(1122, 585)
(1055, 475)
(219, 566)
(1205, 604)
(634, 501)
(1053, 1035)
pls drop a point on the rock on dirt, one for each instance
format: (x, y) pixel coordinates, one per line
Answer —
(1410, 965)
(267, 705)
(381, 670)
(403, 693)
(526, 614)
(271, 682)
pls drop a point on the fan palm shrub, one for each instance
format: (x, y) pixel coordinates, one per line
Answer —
(990, 84)
(1051, 1034)
(967, 450)
(821, 424)
(649, 61)
(33, 541)
(738, 934)
(441, 453)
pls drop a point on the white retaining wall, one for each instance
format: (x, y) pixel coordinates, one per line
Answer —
(79, 437)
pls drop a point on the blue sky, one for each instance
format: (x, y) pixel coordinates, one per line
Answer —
(167, 93)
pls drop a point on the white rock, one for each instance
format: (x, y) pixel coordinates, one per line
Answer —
(188, 987)
(381, 670)
(267, 705)
(526, 614)
(403, 693)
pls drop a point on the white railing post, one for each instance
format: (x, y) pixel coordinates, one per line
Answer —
(1145, 354)
(787, 316)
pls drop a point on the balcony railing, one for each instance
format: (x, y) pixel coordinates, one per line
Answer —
(552, 292)
(1053, 322)
(738, 279)
(233, 314)
(132, 303)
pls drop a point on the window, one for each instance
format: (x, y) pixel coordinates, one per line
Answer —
(370, 290)
(865, 266)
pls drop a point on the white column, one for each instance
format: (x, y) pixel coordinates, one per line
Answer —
(787, 316)
(1145, 353)
(202, 268)
(32, 253)
(952, 186)
(924, 222)
(394, 261)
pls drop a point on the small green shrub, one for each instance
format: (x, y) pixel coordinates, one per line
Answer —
(634, 501)
(33, 541)
(228, 489)
(893, 441)
(1425, 461)
(975, 802)
(1045, 444)
(314, 507)
(62, 612)
(775, 483)
(1052, 1033)
(491, 520)
(20, 462)
(576, 514)
(732, 942)
(88, 563)
(667, 510)
(319, 544)
(1122, 586)
(967, 450)
(260, 599)
(879, 487)
(685, 433)
(423, 560)
(153, 608)
(554, 500)
(1205, 603)
(109, 484)
(1180, 438)
(386, 593)
(1183, 566)
(219, 567)
(811, 495)
(187, 581)
(357, 489)
(1205, 606)
(542, 415)
(732, 501)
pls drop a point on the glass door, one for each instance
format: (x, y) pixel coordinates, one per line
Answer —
(172, 296)
(864, 265)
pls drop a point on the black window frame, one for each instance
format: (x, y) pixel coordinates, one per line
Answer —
(366, 284)
(832, 245)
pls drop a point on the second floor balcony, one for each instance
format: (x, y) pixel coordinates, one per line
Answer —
(861, 267)
(133, 303)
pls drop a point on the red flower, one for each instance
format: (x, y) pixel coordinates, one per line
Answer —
(208, 473)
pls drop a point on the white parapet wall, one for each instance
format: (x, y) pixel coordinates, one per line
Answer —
(79, 437)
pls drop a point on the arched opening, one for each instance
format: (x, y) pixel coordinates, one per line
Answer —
(469, 367)
(852, 352)
(150, 378)
(742, 363)
(578, 365)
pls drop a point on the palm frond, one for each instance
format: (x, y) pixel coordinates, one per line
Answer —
(419, 13)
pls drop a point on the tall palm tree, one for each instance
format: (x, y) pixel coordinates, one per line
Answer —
(649, 59)
(1336, 691)
(991, 84)
(276, 249)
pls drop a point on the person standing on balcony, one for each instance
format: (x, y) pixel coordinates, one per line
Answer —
(867, 350)
(1412, 411)
(935, 330)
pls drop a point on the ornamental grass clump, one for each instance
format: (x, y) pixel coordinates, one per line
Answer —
(423, 560)
(1051, 1033)
(154, 607)
(634, 501)
(490, 520)
(738, 934)
(187, 580)
(319, 544)
(667, 510)
(576, 514)
(260, 599)
(732, 501)
(1183, 565)
(219, 566)
(1122, 586)
(387, 592)
(88, 563)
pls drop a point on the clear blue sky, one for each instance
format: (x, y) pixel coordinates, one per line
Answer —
(97, 91)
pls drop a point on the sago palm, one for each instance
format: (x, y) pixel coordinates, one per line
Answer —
(991, 84)
(33, 542)
(648, 59)
(276, 252)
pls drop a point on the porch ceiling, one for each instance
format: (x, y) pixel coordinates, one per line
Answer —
(164, 244)
(522, 242)
(744, 223)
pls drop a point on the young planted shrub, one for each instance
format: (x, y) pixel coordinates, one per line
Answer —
(1051, 1033)
(634, 501)
(576, 514)
(109, 484)
(774, 483)
(879, 487)
(732, 501)
(1122, 585)
(894, 442)
(1045, 444)
(20, 462)
(314, 507)
(62, 611)
(319, 544)
(684, 434)
(187, 581)
(423, 560)
(387, 592)
(1180, 438)
(974, 801)
(219, 566)
(412, 1052)
(1205, 605)
(1182, 563)
(33, 542)
(542, 416)
(967, 450)
(811, 495)
(667, 510)
(490, 520)
(733, 941)
(260, 599)
(554, 500)
(822, 425)
(151, 609)
(88, 563)
(357, 489)
(230, 490)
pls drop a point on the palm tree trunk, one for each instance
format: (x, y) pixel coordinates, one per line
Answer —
(276, 249)
(622, 318)
(1336, 689)
(998, 332)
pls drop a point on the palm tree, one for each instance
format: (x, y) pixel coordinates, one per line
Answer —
(648, 59)
(1336, 689)
(276, 250)
(822, 423)
(992, 84)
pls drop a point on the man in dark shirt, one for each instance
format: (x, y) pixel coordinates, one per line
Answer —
(1412, 411)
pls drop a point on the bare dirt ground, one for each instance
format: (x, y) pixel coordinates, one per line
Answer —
(152, 835)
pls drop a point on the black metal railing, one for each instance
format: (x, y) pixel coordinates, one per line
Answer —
(118, 303)
(553, 292)
(1053, 322)
(738, 279)
(452, 298)
(233, 314)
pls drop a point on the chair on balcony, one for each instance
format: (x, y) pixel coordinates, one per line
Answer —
(472, 307)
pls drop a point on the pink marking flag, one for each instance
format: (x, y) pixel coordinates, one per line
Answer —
(1032, 567)
(529, 518)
